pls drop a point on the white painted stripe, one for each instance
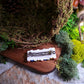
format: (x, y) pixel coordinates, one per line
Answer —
(45, 57)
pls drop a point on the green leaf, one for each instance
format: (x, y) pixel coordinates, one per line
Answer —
(3, 46)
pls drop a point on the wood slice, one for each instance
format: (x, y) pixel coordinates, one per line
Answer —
(19, 55)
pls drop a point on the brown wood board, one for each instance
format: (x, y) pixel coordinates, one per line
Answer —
(19, 55)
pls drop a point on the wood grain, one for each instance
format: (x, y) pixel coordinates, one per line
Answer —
(19, 55)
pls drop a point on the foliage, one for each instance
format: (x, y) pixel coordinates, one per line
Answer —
(63, 41)
(72, 21)
(4, 40)
(68, 69)
(78, 51)
(82, 29)
(72, 27)
(4, 44)
(3, 59)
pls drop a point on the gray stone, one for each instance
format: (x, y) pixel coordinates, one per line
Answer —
(5, 67)
(21, 75)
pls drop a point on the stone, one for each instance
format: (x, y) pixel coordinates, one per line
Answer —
(5, 67)
(21, 75)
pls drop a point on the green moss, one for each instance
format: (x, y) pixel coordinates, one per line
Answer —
(78, 51)
(63, 41)
(68, 69)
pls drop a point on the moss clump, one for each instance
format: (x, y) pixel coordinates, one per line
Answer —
(29, 22)
(68, 69)
(78, 51)
(66, 66)
(63, 41)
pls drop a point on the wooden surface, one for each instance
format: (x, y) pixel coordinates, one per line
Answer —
(19, 55)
